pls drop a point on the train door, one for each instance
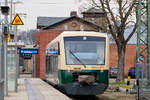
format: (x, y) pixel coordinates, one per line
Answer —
(52, 62)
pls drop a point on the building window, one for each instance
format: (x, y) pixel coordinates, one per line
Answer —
(66, 27)
(74, 24)
(93, 20)
(81, 27)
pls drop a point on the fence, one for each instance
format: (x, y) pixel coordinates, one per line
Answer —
(142, 84)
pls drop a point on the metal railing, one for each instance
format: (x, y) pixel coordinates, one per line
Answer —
(142, 83)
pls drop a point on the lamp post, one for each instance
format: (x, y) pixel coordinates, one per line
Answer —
(5, 12)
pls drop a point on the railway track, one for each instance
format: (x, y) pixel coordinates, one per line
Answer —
(91, 98)
(81, 97)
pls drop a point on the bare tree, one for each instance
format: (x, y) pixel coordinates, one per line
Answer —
(31, 35)
(28, 37)
(119, 14)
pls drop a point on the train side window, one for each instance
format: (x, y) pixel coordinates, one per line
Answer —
(55, 47)
(58, 48)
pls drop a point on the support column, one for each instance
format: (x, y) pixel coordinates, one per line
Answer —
(148, 40)
(138, 31)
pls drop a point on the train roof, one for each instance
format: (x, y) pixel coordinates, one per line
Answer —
(77, 33)
(81, 33)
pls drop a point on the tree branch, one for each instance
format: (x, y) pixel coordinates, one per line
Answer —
(120, 9)
(107, 18)
(111, 13)
(129, 22)
(131, 34)
(129, 11)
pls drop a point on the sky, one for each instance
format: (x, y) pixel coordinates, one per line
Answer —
(50, 8)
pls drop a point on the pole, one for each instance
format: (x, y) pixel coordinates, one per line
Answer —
(138, 31)
(1, 69)
(138, 43)
(17, 61)
(5, 53)
(148, 40)
(11, 5)
(5, 65)
(33, 65)
(17, 70)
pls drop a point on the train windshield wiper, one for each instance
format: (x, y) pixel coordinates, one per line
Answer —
(77, 58)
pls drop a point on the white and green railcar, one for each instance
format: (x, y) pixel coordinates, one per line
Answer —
(78, 62)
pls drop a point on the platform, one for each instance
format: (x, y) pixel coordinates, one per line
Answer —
(35, 89)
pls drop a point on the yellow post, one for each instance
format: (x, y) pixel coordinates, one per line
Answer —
(128, 83)
(8, 39)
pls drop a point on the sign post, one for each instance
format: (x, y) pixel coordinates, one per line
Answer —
(13, 54)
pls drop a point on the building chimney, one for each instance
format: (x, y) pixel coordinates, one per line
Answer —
(73, 13)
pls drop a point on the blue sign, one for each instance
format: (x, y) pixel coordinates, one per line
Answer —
(52, 53)
(26, 56)
(29, 51)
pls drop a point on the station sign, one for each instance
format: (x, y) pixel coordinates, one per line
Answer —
(28, 51)
(52, 53)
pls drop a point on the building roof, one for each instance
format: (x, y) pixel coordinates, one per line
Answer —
(93, 11)
(47, 22)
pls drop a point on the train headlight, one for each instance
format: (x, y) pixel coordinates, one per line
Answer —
(101, 68)
(68, 68)
(84, 38)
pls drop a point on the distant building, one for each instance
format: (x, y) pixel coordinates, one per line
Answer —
(97, 17)
(93, 20)
(72, 23)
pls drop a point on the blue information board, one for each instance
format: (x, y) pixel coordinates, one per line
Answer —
(52, 53)
(28, 51)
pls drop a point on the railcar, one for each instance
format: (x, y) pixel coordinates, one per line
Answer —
(78, 62)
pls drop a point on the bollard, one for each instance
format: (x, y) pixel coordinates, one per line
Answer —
(128, 83)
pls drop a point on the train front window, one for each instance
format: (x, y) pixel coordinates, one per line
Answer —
(85, 50)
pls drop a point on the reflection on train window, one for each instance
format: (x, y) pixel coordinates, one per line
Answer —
(89, 52)
(51, 64)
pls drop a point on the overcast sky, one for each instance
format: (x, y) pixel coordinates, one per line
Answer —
(51, 8)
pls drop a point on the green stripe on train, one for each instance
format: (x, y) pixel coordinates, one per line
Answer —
(66, 77)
